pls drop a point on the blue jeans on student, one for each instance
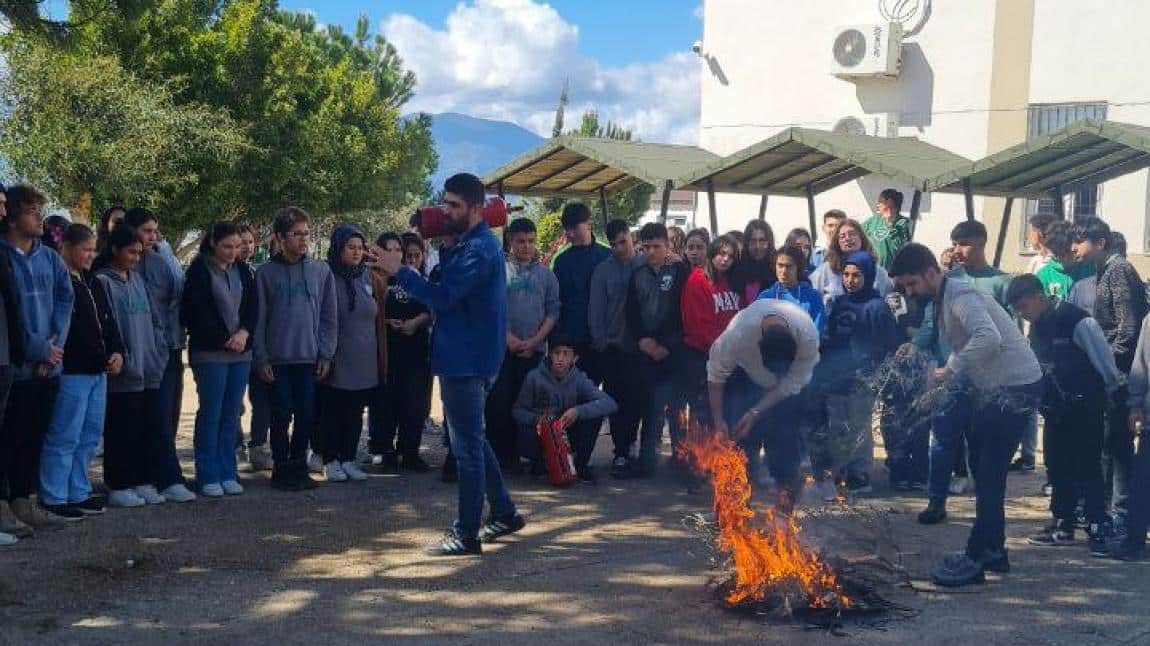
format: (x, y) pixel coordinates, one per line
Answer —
(293, 404)
(220, 388)
(72, 437)
(167, 470)
(952, 419)
(479, 475)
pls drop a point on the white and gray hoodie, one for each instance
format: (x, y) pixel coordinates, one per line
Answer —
(144, 361)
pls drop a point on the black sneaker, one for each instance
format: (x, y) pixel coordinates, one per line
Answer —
(587, 476)
(415, 464)
(1099, 540)
(495, 529)
(1124, 551)
(1053, 536)
(1022, 466)
(934, 513)
(90, 507)
(996, 561)
(453, 544)
(958, 570)
(66, 512)
(619, 467)
(390, 461)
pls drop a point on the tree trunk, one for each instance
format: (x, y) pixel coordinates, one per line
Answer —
(81, 209)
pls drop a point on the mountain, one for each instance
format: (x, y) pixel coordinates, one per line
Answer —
(473, 145)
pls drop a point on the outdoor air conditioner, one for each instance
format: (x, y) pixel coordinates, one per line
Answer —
(866, 50)
(881, 124)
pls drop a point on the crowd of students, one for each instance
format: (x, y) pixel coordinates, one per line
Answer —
(794, 349)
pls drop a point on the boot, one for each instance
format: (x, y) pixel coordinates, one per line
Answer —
(934, 513)
(31, 513)
(280, 476)
(303, 480)
(10, 524)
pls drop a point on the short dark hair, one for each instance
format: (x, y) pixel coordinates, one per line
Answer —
(559, 340)
(968, 230)
(388, 236)
(777, 346)
(286, 218)
(1040, 221)
(913, 259)
(698, 233)
(138, 216)
(467, 186)
(837, 214)
(122, 235)
(653, 231)
(408, 239)
(574, 214)
(77, 233)
(1057, 237)
(218, 231)
(892, 196)
(615, 227)
(797, 256)
(18, 196)
(1024, 286)
(520, 225)
(1117, 243)
(1090, 228)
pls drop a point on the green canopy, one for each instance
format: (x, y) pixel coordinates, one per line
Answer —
(580, 167)
(798, 159)
(1081, 154)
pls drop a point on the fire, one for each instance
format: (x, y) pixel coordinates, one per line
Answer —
(769, 557)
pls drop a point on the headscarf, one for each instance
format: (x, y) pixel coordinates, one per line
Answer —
(339, 238)
(866, 264)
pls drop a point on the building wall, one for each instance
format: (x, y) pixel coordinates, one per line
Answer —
(768, 67)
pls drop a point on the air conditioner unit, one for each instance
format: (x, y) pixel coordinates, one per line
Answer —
(866, 51)
(882, 124)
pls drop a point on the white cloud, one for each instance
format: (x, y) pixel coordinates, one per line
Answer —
(508, 59)
(698, 13)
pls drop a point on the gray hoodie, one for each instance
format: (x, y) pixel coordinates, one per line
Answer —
(605, 314)
(532, 297)
(987, 348)
(165, 281)
(131, 308)
(543, 393)
(298, 314)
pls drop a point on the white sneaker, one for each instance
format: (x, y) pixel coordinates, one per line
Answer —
(232, 488)
(334, 472)
(353, 472)
(212, 490)
(260, 458)
(125, 498)
(178, 493)
(958, 486)
(314, 462)
(7, 539)
(377, 460)
(150, 495)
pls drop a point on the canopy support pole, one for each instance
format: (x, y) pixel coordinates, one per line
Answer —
(604, 208)
(1003, 228)
(499, 190)
(811, 208)
(966, 192)
(915, 205)
(714, 215)
(1059, 204)
(763, 209)
(666, 201)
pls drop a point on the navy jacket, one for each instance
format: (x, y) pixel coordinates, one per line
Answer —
(861, 331)
(573, 267)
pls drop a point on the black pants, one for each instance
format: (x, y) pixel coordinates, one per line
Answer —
(906, 437)
(1117, 457)
(656, 386)
(293, 405)
(581, 436)
(500, 427)
(777, 430)
(30, 405)
(1072, 444)
(591, 363)
(399, 408)
(341, 421)
(127, 447)
(622, 387)
(693, 385)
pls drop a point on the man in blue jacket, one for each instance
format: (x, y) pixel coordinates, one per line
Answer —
(44, 290)
(470, 305)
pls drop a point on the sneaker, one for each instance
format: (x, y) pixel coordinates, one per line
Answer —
(352, 471)
(453, 544)
(125, 498)
(178, 493)
(495, 529)
(1047, 490)
(90, 507)
(1022, 465)
(996, 561)
(33, 515)
(232, 488)
(10, 524)
(315, 462)
(377, 460)
(291, 475)
(1124, 551)
(242, 455)
(415, 464)
(587, 476)
(958, 570)
(212, 490)
(260, 458)
(150, 495)
(934, 513)
(334, 472)
(1098, 540)
(959, 485)
(7, 539)
(66, 512)
(1053, 536)
(619, 467)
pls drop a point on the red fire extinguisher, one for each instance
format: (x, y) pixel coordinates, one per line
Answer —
(556, 451)
(432, 220)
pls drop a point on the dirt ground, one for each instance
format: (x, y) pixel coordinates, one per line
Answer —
(613, 563)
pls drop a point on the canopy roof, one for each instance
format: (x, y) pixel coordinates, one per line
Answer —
(579, 167)
(789, 162)
(1083, 153)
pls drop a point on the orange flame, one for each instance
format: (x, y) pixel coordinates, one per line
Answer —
(768, 555)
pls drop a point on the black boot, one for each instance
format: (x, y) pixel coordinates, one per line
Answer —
(934, 513)
(303, 477)
(282, 475)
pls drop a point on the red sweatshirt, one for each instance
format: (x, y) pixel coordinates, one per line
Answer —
(707, 309)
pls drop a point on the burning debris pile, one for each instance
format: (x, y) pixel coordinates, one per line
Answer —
(773, 571)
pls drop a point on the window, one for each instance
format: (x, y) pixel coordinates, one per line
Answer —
(1045, 119)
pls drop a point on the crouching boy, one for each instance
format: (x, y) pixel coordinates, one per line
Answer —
(559, 388)
(1079, 373)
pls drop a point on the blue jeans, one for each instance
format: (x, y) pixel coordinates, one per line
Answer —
(293, 404)
(951, 422)
(70, 443)
(220, 388)
(479, 475)
(166, 471)
(1028, 447)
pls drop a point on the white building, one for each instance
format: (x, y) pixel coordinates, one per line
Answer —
(975, 76)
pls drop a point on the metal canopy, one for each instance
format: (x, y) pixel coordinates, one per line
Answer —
(584, 167)
(799, 162)
(1083, 153)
